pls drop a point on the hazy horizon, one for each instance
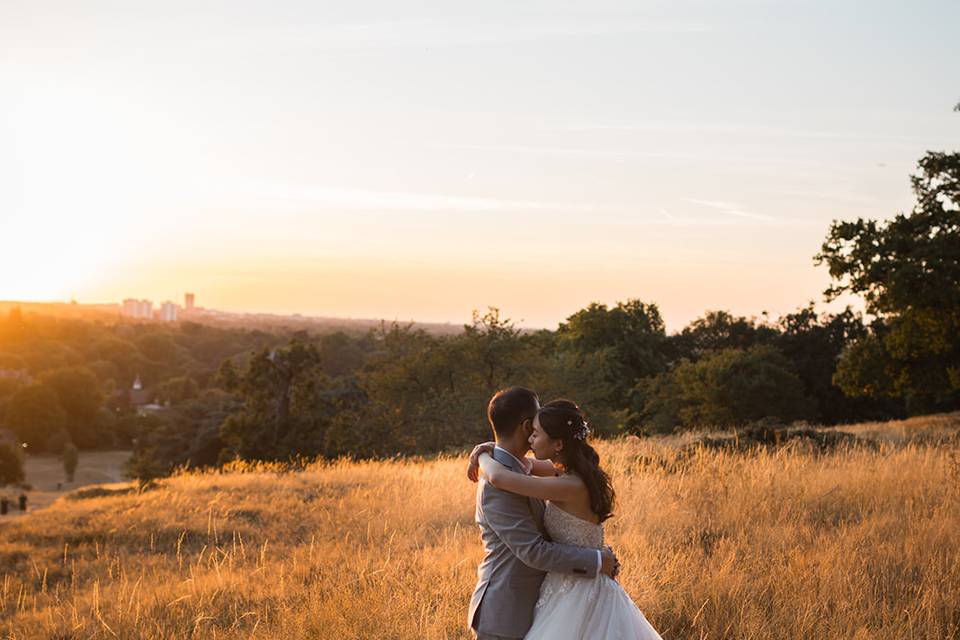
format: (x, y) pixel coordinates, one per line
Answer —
(392, 160)
(518, 322)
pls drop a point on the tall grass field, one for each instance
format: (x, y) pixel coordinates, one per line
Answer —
(857, 540)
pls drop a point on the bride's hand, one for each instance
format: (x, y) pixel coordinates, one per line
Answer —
(473, 467)
(609, 564)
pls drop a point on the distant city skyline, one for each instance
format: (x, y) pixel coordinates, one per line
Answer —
(411, 161)
(169, 311)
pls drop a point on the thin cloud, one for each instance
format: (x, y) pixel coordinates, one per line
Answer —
(571, 152)
(404, 201)
(731, 209)
(852, 198)
(739, 129)
(450, 32)
(373, 201)
(632, 154)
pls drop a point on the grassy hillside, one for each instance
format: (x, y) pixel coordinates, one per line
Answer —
(790, 542)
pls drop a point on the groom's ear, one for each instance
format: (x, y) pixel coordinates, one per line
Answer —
(527, 426)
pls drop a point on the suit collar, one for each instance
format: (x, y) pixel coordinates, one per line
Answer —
(507, 459)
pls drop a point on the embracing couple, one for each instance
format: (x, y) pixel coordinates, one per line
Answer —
(546, 573)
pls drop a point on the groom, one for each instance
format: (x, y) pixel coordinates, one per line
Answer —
(516, 555)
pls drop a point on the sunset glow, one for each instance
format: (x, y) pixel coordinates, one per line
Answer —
(377, 162)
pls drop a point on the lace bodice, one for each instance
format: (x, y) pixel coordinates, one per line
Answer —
(575, 607)
(567, 528)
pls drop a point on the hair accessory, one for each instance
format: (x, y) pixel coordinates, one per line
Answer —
(569, 423)
(583, 432)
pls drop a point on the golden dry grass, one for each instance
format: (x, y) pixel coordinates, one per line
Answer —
(858, 543)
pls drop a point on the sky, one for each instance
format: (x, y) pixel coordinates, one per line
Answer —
(420, 160)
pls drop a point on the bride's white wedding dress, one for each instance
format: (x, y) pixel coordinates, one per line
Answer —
(572, 608)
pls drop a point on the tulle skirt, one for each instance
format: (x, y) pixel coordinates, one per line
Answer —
(573, 608)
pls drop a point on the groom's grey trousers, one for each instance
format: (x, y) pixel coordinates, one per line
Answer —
(516, 558)
(487, 636)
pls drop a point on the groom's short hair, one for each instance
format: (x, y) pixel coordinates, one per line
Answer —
(509, 407)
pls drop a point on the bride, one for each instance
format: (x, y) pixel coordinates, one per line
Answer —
(580, 497)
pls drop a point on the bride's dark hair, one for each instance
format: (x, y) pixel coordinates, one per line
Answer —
(564, 420)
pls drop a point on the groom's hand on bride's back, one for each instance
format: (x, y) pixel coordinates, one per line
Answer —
(473, 466)
(609, 565)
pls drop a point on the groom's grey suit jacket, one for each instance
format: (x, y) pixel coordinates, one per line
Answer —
(516, 558)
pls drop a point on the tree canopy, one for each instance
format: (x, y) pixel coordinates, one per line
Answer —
(11, 466)
(908, 271)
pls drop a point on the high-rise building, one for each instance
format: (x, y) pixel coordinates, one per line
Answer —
(130, 308)
(168, 312)
(188, 302)
(133, 308)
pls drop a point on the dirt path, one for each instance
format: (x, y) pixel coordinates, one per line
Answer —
(43, 473)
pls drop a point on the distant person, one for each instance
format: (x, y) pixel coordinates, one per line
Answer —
(513, 598)
(23, 502)
(4, 506)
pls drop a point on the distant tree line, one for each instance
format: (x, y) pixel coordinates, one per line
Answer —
(235, 393)
(69, 381)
